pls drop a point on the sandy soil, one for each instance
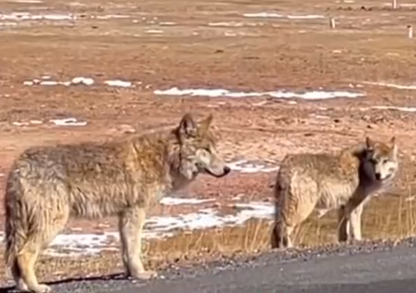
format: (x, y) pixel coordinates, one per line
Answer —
(161, 44)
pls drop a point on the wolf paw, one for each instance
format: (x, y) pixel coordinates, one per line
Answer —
(41, 288)
(355, 241)
(146, 275)
(21, 286)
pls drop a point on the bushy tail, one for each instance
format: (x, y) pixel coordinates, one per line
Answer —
(16, 221)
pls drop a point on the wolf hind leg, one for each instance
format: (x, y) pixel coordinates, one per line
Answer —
(17, 276)
(49, 225)
(343, 224)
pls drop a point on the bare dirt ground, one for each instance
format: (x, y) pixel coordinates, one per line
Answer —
(162, 44)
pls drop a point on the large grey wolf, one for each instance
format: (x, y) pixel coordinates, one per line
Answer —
(48, 185)
(344, 180)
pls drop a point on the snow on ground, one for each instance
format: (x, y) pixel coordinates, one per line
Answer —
(308, 95)
(393, 85)
(277, 15)
(58, 122)
(18, 16)
(177, 201)
(392, 108)
(78, 80)
(68, 122)
(244, 166)
(118, 83)
(399, 4)
(403, 109)
(233, 24)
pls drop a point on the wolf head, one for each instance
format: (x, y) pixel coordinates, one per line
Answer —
(197, 149)
(381, 162)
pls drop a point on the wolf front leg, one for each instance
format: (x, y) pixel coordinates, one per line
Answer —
(355, 222)
(349, 220)
(131, 224)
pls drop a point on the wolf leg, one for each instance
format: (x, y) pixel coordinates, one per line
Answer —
(343, 224)
(24, 270)
(131, 224)
(355, 223)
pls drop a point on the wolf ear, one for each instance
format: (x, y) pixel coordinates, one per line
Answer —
(393, 145)
(187, 126)
(369, 143)
(204, 125)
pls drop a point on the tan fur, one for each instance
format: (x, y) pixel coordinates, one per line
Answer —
(343, 181)
(48, 185)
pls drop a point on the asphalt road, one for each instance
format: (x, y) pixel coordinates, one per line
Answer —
(371, 268)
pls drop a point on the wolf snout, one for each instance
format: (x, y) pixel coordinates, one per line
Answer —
(220, 173)
(227, 170)
(378, 176)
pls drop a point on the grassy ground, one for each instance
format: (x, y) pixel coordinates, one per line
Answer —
(384, 218)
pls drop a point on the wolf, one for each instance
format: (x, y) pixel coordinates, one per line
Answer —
(47, 185)
(344, 181)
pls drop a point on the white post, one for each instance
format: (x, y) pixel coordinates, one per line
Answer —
(331, 22)
(394, 4)
(410, 31)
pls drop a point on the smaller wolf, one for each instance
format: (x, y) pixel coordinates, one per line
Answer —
(48, 185)
(344, 181)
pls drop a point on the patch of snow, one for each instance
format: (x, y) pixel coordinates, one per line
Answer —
(110, 16)
(403, 109)
(82, 80)
(79, 80)
(25, 1)
(30, 16)
(399, 4)
(118, 83)
(31, 122)
(319, 116)
(45, 82)
(312, 95)
(49, 82)
(179, 201)
(230, 34)
(68, 122)
(258, 210)
(167, 23)
(227, 24)
(8, 24)
(276, 15)
(210, 218)
(244, 167)
(392, 85)
(154, 31)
